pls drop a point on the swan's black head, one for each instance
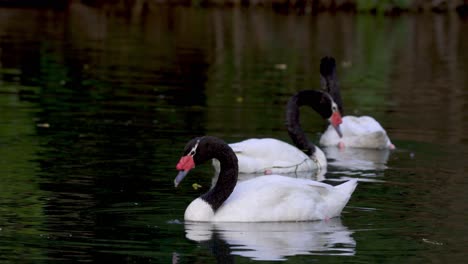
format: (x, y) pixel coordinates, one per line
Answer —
(330, 111)
(323, 104)
(197, 151)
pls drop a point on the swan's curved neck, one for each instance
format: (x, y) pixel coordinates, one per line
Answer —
(293, 123)
(329, 81)
(227, 178)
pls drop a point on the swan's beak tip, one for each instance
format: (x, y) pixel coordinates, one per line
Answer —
(179, 177)
(338, 130)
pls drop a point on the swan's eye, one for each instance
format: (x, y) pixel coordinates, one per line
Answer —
(334, 108)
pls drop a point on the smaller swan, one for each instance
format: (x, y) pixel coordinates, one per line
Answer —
(268, 155)
(269, 198)
(357, 132)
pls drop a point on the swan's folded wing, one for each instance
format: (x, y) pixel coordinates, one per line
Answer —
(237, 148)
(320, 187)
(273, 198)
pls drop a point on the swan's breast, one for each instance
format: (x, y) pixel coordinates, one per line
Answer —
(199, 211)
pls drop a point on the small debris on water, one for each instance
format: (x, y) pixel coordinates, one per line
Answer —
(43, 125)
(174, 221)
(425, 240)
(281, 66)
(346, 64)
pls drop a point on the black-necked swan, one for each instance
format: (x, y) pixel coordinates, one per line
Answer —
(357, 132)
(268, 155)
(270, 198)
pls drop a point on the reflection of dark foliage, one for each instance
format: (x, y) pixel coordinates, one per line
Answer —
(306, 6)
(56, 4)
(299, 6)
(463, 10)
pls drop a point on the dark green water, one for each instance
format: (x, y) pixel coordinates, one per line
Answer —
(96, 105)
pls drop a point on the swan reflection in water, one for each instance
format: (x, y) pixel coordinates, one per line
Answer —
(273, 240)
(352, 161)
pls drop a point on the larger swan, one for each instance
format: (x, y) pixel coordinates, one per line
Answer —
(268, 155)
(357, 132)
(269, 198)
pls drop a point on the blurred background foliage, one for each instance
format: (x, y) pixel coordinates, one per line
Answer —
(300, 6)
(315, 6)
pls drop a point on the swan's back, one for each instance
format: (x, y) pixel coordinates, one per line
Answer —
(257, 155)
(279, 198)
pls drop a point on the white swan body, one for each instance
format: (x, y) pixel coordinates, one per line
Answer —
(275, 198)
(274, 156)
(358, 132)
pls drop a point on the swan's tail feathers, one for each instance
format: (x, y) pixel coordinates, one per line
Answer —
(338, 199)
(347, 188)
(327, 66)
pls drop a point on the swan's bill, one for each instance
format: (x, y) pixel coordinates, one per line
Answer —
(184, 165)
(335, 120)
(180, 177)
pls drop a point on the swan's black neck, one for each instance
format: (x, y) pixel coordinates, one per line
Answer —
(227, 179)
(329, 80)
(320, 102)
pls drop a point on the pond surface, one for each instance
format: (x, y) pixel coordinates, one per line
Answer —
(97, 103)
